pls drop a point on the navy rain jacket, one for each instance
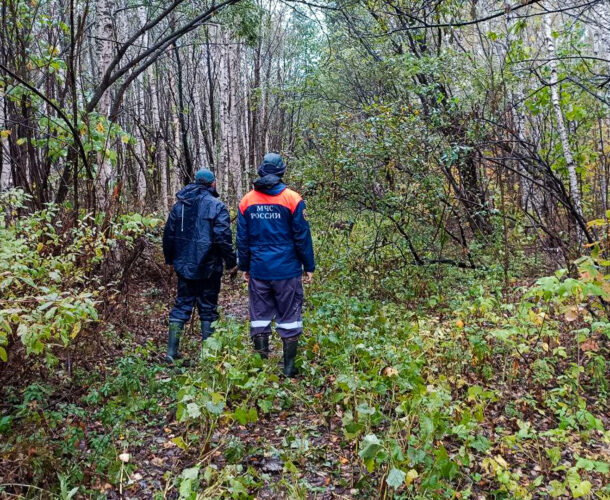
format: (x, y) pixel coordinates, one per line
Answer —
(273, 236)
(197, 236)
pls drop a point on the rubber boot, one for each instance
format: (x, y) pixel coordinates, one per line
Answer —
(290, 354)
(173, 341)
(206, 330)
(261, 345)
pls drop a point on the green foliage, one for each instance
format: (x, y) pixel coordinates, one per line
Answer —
(49, 288)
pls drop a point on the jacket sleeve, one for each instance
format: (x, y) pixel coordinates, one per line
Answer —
(168, 238)
(243, 243)
(302, 238)
(223, 239)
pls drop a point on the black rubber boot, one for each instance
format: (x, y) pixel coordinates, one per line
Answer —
(261, 345)
(290, 354)
(173, 341)
(206, 329)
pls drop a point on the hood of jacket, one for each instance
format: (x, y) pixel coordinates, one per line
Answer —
(269, 184)
(194, 190)
(272, 164)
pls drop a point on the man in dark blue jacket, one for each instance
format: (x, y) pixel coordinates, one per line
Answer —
(275, 250)
(196, 241)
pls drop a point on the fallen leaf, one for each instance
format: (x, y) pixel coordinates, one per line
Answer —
(124, 457)
(571, 314)
(590, 345)
(389, 371)
(411, 476)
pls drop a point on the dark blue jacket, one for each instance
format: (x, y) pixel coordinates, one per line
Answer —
(197, 236)
(273, 236)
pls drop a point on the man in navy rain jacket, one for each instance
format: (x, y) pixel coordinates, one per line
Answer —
(196, 241)
(275, 250)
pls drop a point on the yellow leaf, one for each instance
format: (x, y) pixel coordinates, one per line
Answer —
(76, 329)
(180, 443)
(125, 139)
(39, 247)
(537, 319)
(5, 133)
(459, 323)
(100, 127)
(411, 476)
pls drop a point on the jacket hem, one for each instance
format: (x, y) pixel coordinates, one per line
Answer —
(275, 278)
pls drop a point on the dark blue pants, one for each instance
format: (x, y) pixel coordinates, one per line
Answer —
(279, 299)
(203, 292)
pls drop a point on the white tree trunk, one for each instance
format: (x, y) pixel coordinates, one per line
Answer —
(104, 33)
(6, 180)
(234, 166)
(224, 112)
(561, 127)
(176, 171)
(160, 152)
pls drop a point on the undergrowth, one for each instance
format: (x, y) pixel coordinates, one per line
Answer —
(466, 392)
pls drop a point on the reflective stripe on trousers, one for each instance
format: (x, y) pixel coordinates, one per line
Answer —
(279, 299)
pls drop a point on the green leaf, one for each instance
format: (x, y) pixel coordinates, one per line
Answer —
(365, 409)
(396, 478)
(215, 408)
(481, 443)
(554, 455)
(369, 447)
(193, 411)
(556, 489)
(245, 416)
(3, 355)
(580, 489)
(180, 443)
(191, 473)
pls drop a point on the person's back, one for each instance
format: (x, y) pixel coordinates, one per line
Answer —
(196, 241)
(275, 248)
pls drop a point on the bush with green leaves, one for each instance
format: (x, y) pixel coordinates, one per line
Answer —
(49, 272)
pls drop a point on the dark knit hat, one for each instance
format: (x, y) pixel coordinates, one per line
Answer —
(204, 176)
(272, 164)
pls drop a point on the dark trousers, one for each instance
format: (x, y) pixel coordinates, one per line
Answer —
(279, 299)
(204, 292)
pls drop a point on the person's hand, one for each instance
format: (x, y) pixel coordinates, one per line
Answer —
(308, 277)
(246, 276)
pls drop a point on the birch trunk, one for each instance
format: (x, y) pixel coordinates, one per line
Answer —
(160, 151)
(176, 171)
(561, 127)
(104, 35)
(224, 112)
(141, 177)
(5, 164)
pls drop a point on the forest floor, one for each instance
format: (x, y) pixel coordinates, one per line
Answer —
(389, 403)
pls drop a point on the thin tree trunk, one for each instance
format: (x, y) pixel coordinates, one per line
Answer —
(561, 127)
(104, 57)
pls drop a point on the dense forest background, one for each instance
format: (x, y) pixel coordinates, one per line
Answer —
(455, 159)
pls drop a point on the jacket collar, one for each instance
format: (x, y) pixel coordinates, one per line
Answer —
(269, 184)
(194, 190)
